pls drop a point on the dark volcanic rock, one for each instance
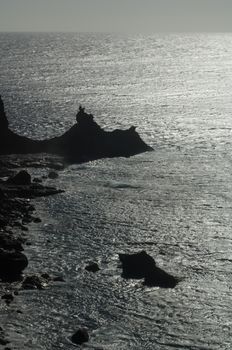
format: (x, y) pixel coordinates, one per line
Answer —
(81, 336)
(137, 265)
(22, 178)
(35, 282)
(160, 278)
(141, 265)
(12, 264)
(92, 267)
(84, 141)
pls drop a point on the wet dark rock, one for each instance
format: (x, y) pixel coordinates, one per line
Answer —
(141, 265)
(34, 282)
(137, 265)
(92, 267)
(12, 264)
(80, 336)
(9, 242)
(27, 219)
(52, 175)
(8, 298)
(22, 178)
(160, 278)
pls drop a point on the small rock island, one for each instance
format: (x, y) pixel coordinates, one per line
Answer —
(84, 141)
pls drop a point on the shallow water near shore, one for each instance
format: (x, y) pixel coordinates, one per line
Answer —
(175, 202)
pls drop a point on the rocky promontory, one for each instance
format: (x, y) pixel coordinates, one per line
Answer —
(84, 141)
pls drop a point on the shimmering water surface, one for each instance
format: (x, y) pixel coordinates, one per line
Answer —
(174, 202)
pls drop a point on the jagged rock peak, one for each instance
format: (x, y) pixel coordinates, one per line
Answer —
(3, 118)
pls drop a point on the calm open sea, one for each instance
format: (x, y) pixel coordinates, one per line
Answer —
(175, 202)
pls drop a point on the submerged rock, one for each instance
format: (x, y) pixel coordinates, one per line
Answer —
(141, 265)
(80, 336)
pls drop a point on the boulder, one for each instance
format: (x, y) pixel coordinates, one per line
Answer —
(141, 265)
(12, 264)
(92, 267)
(137, 265)
(160, 278)
(80, 336)
(35, 282)
(22, 178)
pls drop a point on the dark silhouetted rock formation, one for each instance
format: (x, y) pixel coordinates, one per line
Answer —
(21, 178)
(12, 263)
(141, 265)
(92, 267)
(81, 336)
(84, 141)
(3, 118)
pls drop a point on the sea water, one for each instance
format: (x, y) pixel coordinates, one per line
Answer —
(174, 202)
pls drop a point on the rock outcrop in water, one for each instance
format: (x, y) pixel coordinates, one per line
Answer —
(141, 265)
(80, 336)
(84, 141)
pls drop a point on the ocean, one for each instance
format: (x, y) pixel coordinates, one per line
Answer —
(174, 202)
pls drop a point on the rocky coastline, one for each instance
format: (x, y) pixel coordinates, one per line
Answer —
(16, 213)
(85, 141)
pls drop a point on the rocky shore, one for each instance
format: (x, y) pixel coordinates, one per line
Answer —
(16, 212)
(85, 141)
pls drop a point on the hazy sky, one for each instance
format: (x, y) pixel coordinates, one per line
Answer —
(119, 15)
